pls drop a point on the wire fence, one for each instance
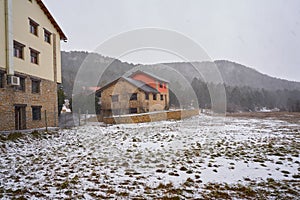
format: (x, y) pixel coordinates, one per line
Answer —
(23, 119)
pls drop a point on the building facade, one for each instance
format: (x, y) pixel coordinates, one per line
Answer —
(139, 93)
(30, 65)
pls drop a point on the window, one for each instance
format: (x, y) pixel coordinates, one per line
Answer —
(1, 79)
(36, 112)
(160, 85)
(18, 50)
(161, 97)
(47, 36)
(34, 56)
(22, 84)
(133, 110)
(146, 96)
(133, 97)
(35, 86)
(154, 96)
(33, 27)
(115, 98)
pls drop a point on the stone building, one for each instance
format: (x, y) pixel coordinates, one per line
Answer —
(30, 65)
(139, 93)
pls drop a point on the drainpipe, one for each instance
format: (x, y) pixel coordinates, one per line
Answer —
(9, 37)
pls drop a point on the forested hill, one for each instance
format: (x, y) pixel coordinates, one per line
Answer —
(246, 88)
(233, 74)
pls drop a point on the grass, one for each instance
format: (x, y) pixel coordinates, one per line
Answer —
(14, 136)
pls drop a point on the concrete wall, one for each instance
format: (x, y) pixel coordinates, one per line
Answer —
(22, 11)
(2, 35)
(150, 117)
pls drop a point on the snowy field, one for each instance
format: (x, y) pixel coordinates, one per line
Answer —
(203, 157)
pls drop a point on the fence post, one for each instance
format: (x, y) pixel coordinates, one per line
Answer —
(86, 116)
(46, 123)
(65, 121)
(79, 113)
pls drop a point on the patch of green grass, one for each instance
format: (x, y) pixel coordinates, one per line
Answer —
(14, 136)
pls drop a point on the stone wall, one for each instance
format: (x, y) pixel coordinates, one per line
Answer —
(47, 99)
(122, 88)
(150, 117)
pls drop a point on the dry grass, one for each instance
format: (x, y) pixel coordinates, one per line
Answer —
(291, 117)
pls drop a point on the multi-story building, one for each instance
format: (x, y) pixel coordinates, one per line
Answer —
(30, 65)
(139, 93)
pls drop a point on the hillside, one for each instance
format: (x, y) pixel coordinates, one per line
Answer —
(246, 89)
(233, 74)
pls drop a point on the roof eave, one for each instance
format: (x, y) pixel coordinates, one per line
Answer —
(52, 20)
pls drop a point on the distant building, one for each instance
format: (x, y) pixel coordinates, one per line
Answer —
(30, 65)
(139, 93)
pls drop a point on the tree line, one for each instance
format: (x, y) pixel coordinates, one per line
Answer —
(245, 98)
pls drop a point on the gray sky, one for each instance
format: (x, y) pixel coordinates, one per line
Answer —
(262, 34)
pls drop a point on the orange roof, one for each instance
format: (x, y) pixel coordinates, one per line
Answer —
(52, 20)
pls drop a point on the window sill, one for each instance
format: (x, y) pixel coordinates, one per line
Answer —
(19, 58)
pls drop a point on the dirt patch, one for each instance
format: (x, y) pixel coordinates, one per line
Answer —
(291, 117)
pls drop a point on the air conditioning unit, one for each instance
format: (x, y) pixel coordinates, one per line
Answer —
(13, 80)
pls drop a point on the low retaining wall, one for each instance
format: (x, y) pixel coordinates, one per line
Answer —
(150, 117)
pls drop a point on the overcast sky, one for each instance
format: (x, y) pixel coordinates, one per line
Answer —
(262, 34)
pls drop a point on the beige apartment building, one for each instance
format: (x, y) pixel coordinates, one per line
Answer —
(30, 65)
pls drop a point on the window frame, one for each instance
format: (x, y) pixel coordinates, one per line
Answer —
(161, 97)
(2, 78)
(115, 98)
(22, 86)
(37, 53)
(160, 85)
(33, 27)
(36, 116)
(146, 96)
(47, 33)
(133, 96)
(18, 50)
(133, 110)
(37, 90)
(154, 97)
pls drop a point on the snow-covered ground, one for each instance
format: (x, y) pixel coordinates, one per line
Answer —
(201, 157)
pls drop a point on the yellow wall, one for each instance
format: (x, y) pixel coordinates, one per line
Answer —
(22, 11)
(2, 35)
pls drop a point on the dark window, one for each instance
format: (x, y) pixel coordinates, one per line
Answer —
(47, 36)
(154, 96)
(133, 97)
(35, 86)
(36, 112)
(146, 96)
(33, 27)
(18, 49)
(34, 56)
(115, 98)
(22, 84)
(161, 97)
(1, 80)
(116, 112)
(165, 86)
(160, 85)
(133, 110)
